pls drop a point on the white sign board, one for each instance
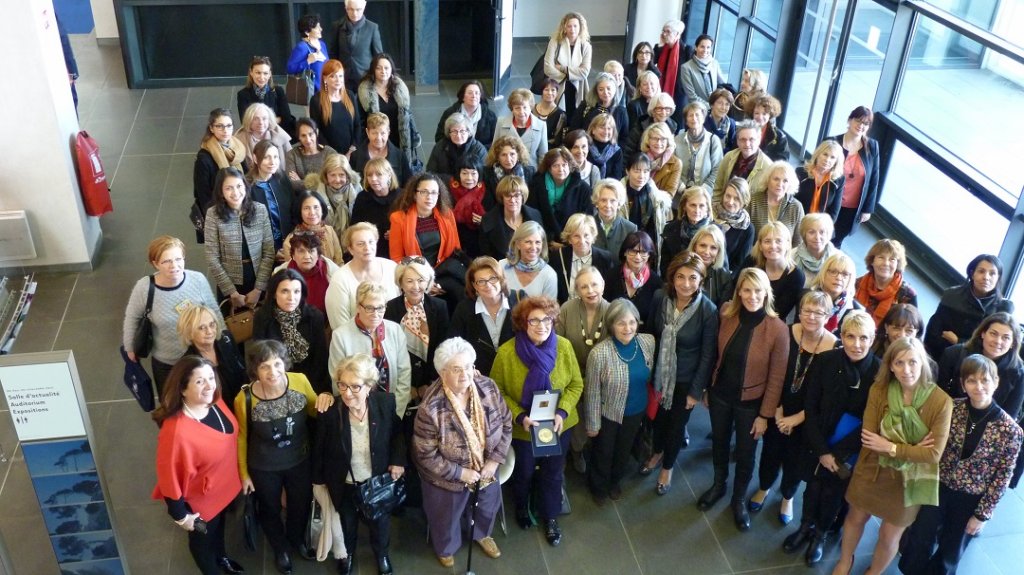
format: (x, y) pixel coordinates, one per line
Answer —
(42, 401)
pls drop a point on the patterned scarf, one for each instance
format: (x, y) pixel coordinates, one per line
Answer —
(524, 267)
(499, 171)
(833, 320)
(881, 299)
(600, 153)
(473, 425)
(539, 361)
(903, 424)
(298, 347)
(377, 344)
(810, 264)
(726, 220)
(261, 93)
(415, 320)
(636, 280)
(665, 376)
(658, 162)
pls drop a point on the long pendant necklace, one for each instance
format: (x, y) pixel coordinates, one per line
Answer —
(215, 412)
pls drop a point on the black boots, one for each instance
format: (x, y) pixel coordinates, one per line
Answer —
(815, 549)
(739, 513)
(796, 540)
(711, 496)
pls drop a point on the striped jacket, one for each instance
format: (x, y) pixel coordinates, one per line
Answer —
(607, 383)
(224, 248)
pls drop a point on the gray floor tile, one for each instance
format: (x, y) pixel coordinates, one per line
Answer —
(190, 134)
(163, 103)
(20, 535)
(153, 136)
(202, 100)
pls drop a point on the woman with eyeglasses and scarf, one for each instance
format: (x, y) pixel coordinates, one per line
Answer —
(381, 339)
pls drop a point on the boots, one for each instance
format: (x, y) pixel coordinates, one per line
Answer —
(794, 541)
(739, 513)
(711, 496)
(815, 549)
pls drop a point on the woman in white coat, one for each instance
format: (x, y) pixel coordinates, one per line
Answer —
(568, 60)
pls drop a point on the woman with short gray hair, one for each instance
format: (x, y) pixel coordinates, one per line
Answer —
(458, 143)
(423, 317)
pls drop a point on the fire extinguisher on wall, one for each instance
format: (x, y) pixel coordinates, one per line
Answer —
(91, 177)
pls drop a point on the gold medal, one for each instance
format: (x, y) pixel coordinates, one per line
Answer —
(545, 435)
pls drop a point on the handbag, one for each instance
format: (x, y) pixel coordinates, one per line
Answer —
(314, 526)
(239, 322)
(299, 88)
(197, 217)
(537, 75)
(250, 522)
(138, 382)
(143, 342)
(379, 495)
(653, 400)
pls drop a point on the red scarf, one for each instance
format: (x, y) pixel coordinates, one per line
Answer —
(377, 345)
(878, 301)
(668, 63)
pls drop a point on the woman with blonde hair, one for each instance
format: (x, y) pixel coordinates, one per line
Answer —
(753, 83)
(508, 156)
(200, 329)
(816, 231)
(340, 184)
(333, 109)
(647, 87)
(360, 241)
(658, 142)
(731, 216)
(526, 268)
(533, 135)
(775, 201)
(694, 212)
(835, 278)
(605, 152)
(568, 60)
(709, 243)
(660, 109)
(821, 180)
(773, 253)
(609, 198)
(259, 123)
(753, 347)
(380, 191)
(883, 285)
(577, 252)
(601, 100)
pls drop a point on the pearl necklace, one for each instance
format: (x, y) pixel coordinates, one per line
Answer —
(215, 412)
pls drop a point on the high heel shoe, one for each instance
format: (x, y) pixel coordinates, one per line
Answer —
(650, 465)
(756, 502)
(784, 517)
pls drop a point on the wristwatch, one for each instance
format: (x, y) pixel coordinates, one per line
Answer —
(892, 450)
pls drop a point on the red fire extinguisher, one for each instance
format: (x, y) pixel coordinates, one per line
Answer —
(91, 178)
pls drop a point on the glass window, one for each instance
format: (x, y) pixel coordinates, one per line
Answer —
(723, 29)
(768, 11)
(944, 71)
(695, 20)
(981, 13)
(869, 42)
(813, 36)
(932, 206)
(760, 52)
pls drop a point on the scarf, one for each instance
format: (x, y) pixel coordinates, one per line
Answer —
(726, 220)
(696, 144)
(555, 191)
(472, 425)
(832, 323)
(641, 208)
(522, 266)
(499, 172)
(455, 151)
(882, 299)
(298, 347)
(233, 155)
(704, 67)
(668, 63)
(415, 320)
(539, 361)
(903, 424)
(377, 347)
(473, 118)
(658, 162)
(810, 264)
(688, 230)
(260, 92)
(600, 153)
(665, 378)
(636, 280)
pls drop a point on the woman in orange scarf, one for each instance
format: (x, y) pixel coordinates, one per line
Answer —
(884, 285)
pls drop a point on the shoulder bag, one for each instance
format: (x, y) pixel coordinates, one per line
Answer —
(379, 495)
(143, 343)
(239, 321)
(299, 88)
(250, 515)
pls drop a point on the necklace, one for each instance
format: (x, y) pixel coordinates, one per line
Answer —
(212, 408)
(973, 424)
(798, 379)
(597, 331)
(636, 347)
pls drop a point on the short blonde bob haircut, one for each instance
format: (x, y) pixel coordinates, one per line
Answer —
(759, 279)
(578, 223)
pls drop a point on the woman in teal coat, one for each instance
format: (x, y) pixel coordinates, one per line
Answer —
(536, 360)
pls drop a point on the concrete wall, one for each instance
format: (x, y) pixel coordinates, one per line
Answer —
(103, 17)
(39, 174)
(538, 18)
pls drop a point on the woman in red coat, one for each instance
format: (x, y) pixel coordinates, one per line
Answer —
(197, 460)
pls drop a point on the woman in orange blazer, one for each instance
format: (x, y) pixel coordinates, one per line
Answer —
(423, 224)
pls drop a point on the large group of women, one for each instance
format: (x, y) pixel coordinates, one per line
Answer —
(635, 246)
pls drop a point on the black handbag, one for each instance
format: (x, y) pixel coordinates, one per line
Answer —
(143, 342)
(537, 75)
(197, 217)
(379, 495)
(250, 522)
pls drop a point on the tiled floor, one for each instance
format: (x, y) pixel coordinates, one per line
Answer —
(149, 140)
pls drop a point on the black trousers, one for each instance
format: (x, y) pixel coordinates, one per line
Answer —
(823, 499)
(548, 472)
(207, 549)
(780, 451)
(668, 428)
(160, 372)
(297, 485)
(725, 416)
(943, 526)
(380, 530)
(612, 453)
(844, 225)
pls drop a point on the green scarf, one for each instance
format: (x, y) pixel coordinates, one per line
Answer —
(555, 192)
(903, 424)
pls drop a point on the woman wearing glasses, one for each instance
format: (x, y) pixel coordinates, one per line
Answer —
(835, 279)
(273, 444)
(636, 277)
(467, 406)
(218, 149)
(359, 439)
(500, 223)
(534, 361)
(484, 317)
(643, 61)
(381, 339)
(666, 169)
(860, 166)
(458, 143)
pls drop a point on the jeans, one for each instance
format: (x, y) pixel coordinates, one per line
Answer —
(298, 488)
(725, 416)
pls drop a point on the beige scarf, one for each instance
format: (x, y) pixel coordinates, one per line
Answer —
(232, 156)
(473, 425)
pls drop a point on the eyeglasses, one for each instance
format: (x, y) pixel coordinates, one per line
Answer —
(811, 314)
(170, 261)
(540, 321)
(459, 132)
(839, 274)
(514, 196)
(223, 126)
(644, 53)
(483, 282)
(638, 254)
(864, 122)
(414, 260)
(379, 309)
(353, 389)
(664, 109)
(429, 193)
(459, 370)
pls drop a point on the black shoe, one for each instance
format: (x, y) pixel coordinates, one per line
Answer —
(815, 550)
(283, 562)
(740, 515)
(384, 565)
(615, 493)
(711, 496)
(229, 566)
(552, 532)
(345, 566)
(305, 552)
(523, 519)
(794, 541)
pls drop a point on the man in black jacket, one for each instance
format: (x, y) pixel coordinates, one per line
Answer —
(355, 41)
